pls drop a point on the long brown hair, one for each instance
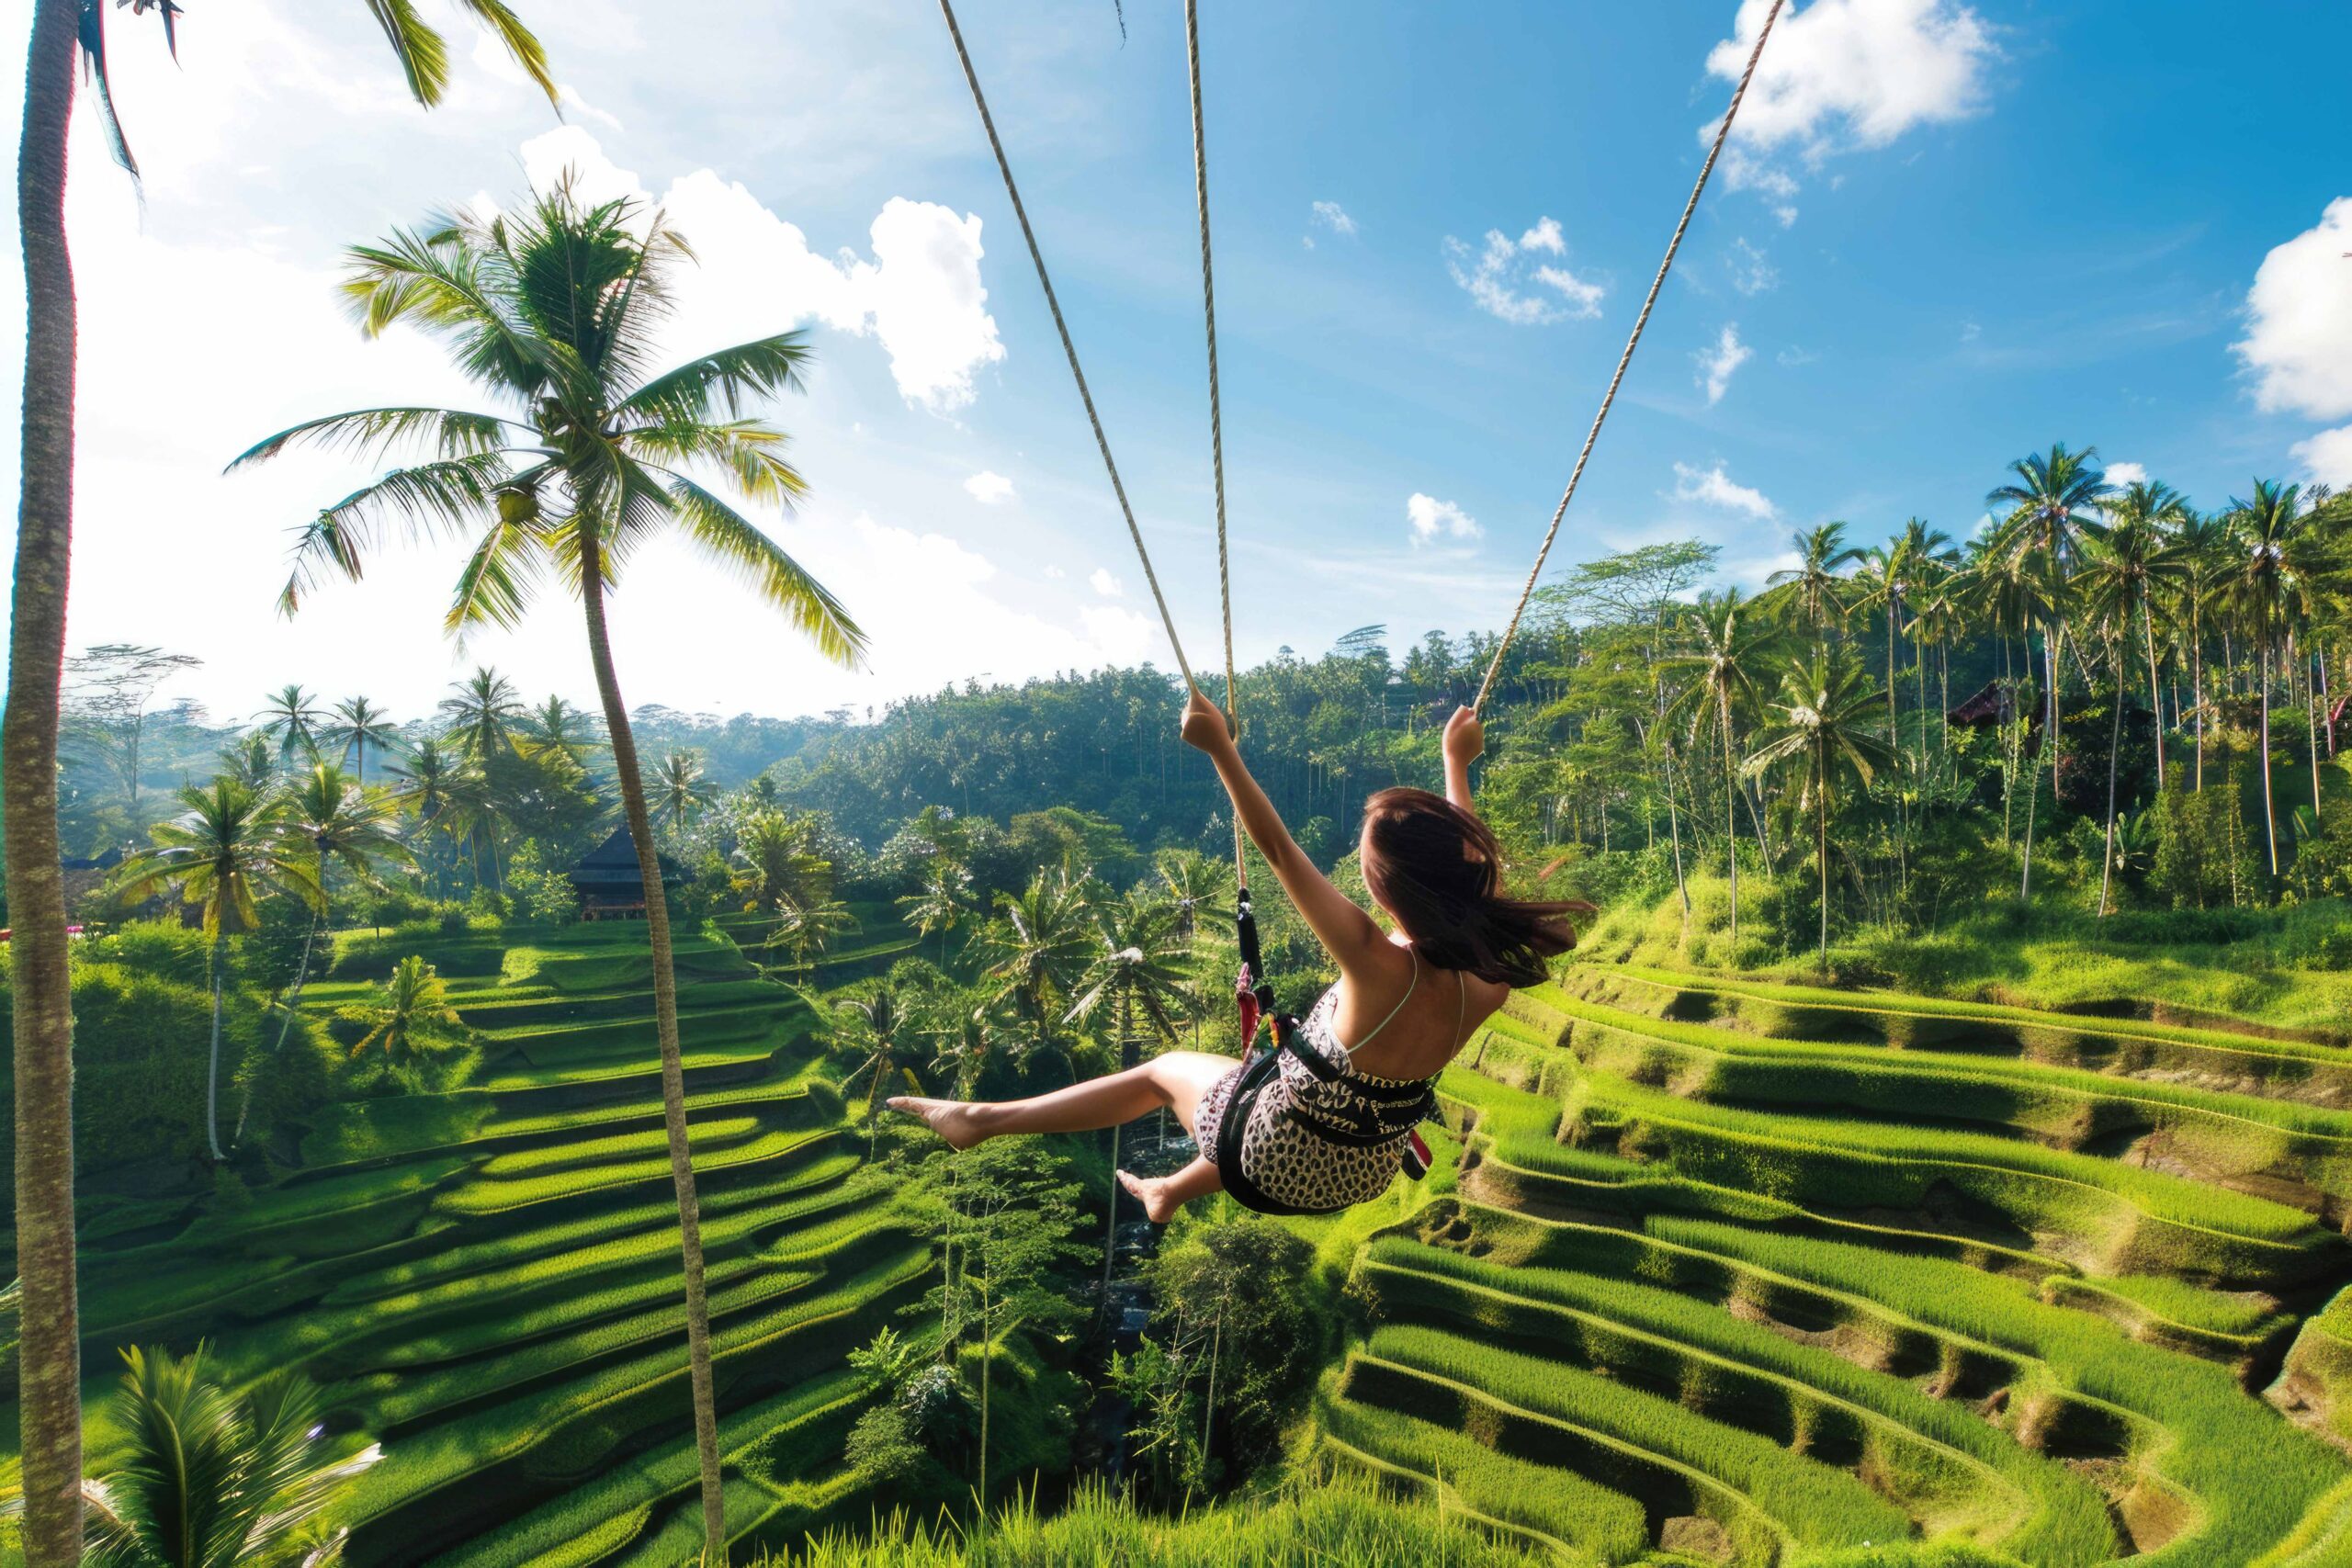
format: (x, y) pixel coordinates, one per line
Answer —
(1439, 870)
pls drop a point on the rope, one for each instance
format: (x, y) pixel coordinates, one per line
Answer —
(1216, 420)
(1723, 132)
(1101, 442)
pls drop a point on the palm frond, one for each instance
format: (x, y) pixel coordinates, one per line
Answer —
(367, 433)
(731, 539)
(495, 586)
(422, 53)
(521, 44)
(750, 452)
(729, 379)
(448, 495)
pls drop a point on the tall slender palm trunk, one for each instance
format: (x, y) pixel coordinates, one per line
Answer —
(218, 965)
(1821, 843)
(2156, 691)
(2269, 812)
(2114, 745)
(1731, 813)
(665, 1028)
(49, 1347)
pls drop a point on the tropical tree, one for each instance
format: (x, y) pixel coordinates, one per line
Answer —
(228, 848)
(443, 790)
(356, 725)
(1821, 731)
(1720, 677)
(1037, 947)
(412, 1019)
(943, 902)
(682, 791)
(215, 1475)
(1813, 586)
(872, 1026)
(250, 761)
(965, 1037)
(2052, 501)
(481, 714)
(65, 33)
(294, 720)
(2262, 593)
(551, 311)
(2139, 563)
(777, 863)
(809, 928)
(1199, 888)
(2204, 544)
(557, 729)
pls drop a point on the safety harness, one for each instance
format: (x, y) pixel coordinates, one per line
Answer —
(1386, 1115)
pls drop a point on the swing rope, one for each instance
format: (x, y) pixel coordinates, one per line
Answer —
(1216, 420)
(1102, 442)
(1723, 132)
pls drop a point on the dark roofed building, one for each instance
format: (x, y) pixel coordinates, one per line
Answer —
(608, 881)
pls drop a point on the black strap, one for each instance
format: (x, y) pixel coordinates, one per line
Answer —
(1230, 1128)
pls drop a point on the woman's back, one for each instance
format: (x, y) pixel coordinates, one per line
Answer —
(1405, 1018)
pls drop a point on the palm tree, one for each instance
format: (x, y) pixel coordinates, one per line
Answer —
(339, 822)
(2262, 591)
(2013, 588)
(872, 1026)
(1037, 947)
(556, 727)
(251, 761)
(443, 790)
(1822, 732)
(2204, 544)
(944, 900)
(2054, 499)
(1812, 584)
(481, 714)
(215, 1475)
(780, 868)
(2139, 563)
(809, 928)
(1199, 888)
(1722, 675)
(1137, 973)
(292, 719)
(550, 310)
(682, 790)
(357, 722)
(40, 984)
(413, 1021)
(965, 1038)
(228, 846)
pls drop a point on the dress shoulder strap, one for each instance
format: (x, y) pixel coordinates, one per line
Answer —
(1385, 1022)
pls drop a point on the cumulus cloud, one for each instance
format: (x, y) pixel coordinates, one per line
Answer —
(2126, 473)
(1508, 286)
(1844, 74)
(1717, 362)
(1431, 518)
(989, 488)
(1752, 271)
(2326, 458)
(1107, 585)
(920, 296)
(1332, 216)
(1712, 486)
(2298, 345)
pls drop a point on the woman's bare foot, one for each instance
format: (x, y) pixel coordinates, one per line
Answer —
(1159, 1205)
(957, 1121)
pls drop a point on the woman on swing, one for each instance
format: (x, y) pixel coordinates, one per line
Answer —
(1331, 1128)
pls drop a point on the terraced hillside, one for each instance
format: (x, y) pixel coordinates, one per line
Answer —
(486, 1282)
(1749, 1274)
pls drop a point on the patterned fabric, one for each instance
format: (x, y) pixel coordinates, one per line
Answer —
(1291, 1164)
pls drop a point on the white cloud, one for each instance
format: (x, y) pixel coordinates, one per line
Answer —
(1793, 356)
(2298, 345)
(1717, 364)
(1712, 486)
(920, 296)
(1334, 217)
(2127, 473)
(1846, 74)
(1055, 573)
(2328, 456)
(1752, 271)
(989, 488)
(1499, 277)
(1110, 587)
(1431, 517)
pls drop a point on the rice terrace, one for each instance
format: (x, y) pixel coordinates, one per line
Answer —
(1561, 880)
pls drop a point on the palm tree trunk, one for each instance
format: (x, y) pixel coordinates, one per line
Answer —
(1111, 1214)
(2311, 697)
(2114, 745)
(2156, 691)
(49, 1348)
(2270, 813)
(1821, 805)
(2197, 687)
(665, 1027)
(1731, 814)
(220, 978)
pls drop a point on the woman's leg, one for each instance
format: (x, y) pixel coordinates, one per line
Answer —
(1161, 1196)
(1176, 1081)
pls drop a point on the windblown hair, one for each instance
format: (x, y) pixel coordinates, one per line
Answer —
(1439, 870)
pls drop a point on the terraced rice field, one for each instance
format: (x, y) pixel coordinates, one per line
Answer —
(486, 1282)
(1749, 1274)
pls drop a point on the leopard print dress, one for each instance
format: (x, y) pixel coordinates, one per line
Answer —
(1290, 1163)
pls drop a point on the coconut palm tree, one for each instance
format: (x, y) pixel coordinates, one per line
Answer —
(1720, 677)
(1821, 731)
(251, 761)
(358, 722)
(339, 822)
(2204, 546)
(777, 863)
(228, 847)
(944, 900)
(556, 727)
(1199, 888)
(292, 718)
(2139, 563)
(64, 33)
(1037, 947)
(482, 714)
(808, 929)
(443, 790)
(1813, 586)
(682, 791)
(2262, 593)
(873, 1025)
(965, 1038)
(413, 1020)
(215, 1475)
(2014, 590)
(2053, 500)
(551, 311)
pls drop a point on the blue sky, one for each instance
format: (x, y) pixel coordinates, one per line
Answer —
(1946, 234)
